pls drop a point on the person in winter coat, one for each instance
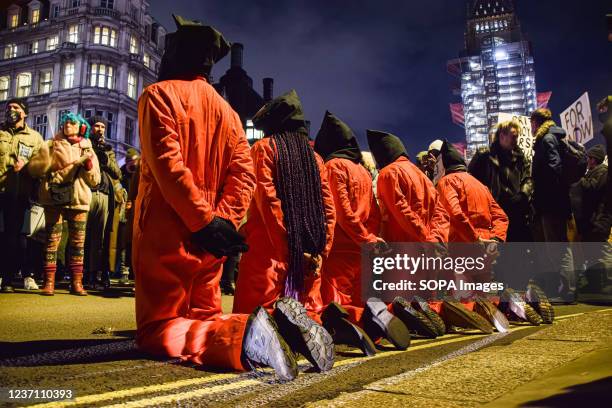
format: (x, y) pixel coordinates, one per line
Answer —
(66, 195)
(474, 215)
(290, 226)
(196, 182)
(102, 206)
(552, 207)
(407, 197)
(24, 157)
(357, 223)
(592, 219)
(505, 170)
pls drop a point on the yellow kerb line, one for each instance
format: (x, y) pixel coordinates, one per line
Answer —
(219, 377)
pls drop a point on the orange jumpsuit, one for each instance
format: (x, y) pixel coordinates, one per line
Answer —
(263, 269)
(407, 199)
(195, 165)
(357, 223)
(472, 210)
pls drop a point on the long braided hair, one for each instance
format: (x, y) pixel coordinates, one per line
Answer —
(298, 186)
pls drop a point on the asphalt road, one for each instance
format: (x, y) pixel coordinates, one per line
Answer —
(86, 344)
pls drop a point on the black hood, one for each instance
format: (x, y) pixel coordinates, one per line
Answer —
(336, 139)
(191, 50)
(385, 147)
(452, 160)
(281, 115)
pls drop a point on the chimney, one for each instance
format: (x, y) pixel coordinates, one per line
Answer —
(237, 49)
(268, 89)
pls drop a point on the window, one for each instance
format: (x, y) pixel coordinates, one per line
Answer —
(45, 82)
(52, 43)
(87, 113)
(146, 60)
(40, 125)
(35, 17)
(251, 132)
(109, 4)
(24, 83)
(132, 81)
(73, 33)
(34, 47)
(4, 87)
(133, 44)
(109, 127)
(10, 51)
(129, 131)
(134, 13)
(55, 11)
(75, 3)
(105, 36)
(13, 20)
(68, 75)
(101, 76)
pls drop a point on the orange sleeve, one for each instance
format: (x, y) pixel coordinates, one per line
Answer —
(161, 149)
(328, 204)
(448, 194)
(440, 223)
(397, 202)
(239, 181)
(266, 201)
(499, 219)
(345, 217)
(374, 220)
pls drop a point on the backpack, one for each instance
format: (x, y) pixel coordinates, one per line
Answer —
(573, 160)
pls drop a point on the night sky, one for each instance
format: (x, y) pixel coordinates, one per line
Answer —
(381, 64)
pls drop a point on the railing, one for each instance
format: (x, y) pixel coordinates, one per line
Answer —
(102, 11)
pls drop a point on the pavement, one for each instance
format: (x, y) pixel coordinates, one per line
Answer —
(86, 344)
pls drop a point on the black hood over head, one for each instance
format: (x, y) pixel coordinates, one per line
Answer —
(191, 50)
(336, 140)
(385, 147)
(283, 114)
(452, 160)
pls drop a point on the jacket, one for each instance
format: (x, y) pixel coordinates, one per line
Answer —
(551, 194)
(588, 198)
(63, 169)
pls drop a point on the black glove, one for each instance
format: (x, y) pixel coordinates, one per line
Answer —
(220, 238)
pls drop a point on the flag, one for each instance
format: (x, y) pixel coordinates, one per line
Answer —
(543, 98)
(457, 116)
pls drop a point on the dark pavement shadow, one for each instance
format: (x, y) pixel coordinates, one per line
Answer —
(591, 394)
(69, 351)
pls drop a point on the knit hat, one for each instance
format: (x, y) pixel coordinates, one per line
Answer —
(597, 152)
(18, 101)
(97, 119)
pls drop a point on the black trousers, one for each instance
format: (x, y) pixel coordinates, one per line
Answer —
(11, 251)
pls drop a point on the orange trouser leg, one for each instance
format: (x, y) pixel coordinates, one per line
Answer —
(166, 287)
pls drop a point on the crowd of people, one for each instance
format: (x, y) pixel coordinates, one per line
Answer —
(60, 199)
(299, 212)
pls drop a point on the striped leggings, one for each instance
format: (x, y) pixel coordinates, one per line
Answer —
(77, 221)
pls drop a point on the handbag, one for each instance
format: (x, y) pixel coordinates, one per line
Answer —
(33, 221)
(62, 193)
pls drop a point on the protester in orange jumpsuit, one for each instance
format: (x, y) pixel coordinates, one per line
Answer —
(407, 197)
(358, 222)
(290, 225)
(473, 216)
(196, 183)
(473, 213)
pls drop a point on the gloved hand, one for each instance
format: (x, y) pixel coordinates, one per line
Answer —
(219, 238)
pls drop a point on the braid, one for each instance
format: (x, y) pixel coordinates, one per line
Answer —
(298, 186)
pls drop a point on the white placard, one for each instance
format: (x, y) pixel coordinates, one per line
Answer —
(525, 139)
(577, 120)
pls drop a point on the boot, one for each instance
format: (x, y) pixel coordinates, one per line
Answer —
(77, 280)
(304, 335)
(49, 288)
(264, 346)
(335, 321)
(416, 321)
(379, 322)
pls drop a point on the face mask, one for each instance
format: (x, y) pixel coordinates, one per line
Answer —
(12, 117)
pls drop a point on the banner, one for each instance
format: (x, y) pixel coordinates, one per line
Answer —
(577, 120)
(525, 139)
